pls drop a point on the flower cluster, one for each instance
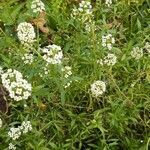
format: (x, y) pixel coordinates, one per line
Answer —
(37, 6)
(46, 70)
(18, 87)
(137, 53)
(28, 58)
(25, 33)
(98, 88)
(107, 41)
(52, 54)
(15, 133)
(84, 12)
(1, 123)
(108, 2)
(108, 60)
(26, 126)
(147, 47)
(66, 71)
(90, 26)
(12, 146)
(67, 84)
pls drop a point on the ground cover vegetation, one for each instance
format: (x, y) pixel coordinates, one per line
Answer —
(74, 75)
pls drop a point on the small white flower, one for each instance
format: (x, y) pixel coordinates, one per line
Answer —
(98, 88)
(108, 60)
(19, 91)
(137, 53)
(52, 54)
(108, 41)
(14, 133)
(66, 71)
(84, 12)
(12, 146)
(28, 58)
(141, 141)
(108, 2)
(67, 84)
(26, 126)
(37, 6)
(26, 94)
(1, 123)
(25, 33)
(90, 26)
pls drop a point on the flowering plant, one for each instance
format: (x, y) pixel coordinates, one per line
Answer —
(74, 74)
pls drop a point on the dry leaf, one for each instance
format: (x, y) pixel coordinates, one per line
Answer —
(42, 106)
(40, 23)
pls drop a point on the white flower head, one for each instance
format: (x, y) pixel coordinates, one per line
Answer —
(25, 33)
(17, 87)
(98, 88)
(12, 146)
(83, 12)
(108, 2)
(14, 133)
(137, 53)
(28, 58)
(37, 6)
(52, 54)
(66, 71)
(90, 26)
(26, 126)
(108, 41)
(108, 60)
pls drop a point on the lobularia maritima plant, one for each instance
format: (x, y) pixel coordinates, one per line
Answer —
(74, 75)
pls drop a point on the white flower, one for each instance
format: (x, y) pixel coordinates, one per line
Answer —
(66, 71)
(45, 70)
(52, 54)
(90, 26)
(108, 41)
(37, 6)
(109, 60)
(137, 53)
(67, 84)
(147, 47)
(1, 123)
(28, 58)
(85, 6)
(84, 12)
(14, 133)
(12, 146)
(17, 87)
(108, 2)
(19, 91)
(25, 33)
(98, 88)
(26, 126)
